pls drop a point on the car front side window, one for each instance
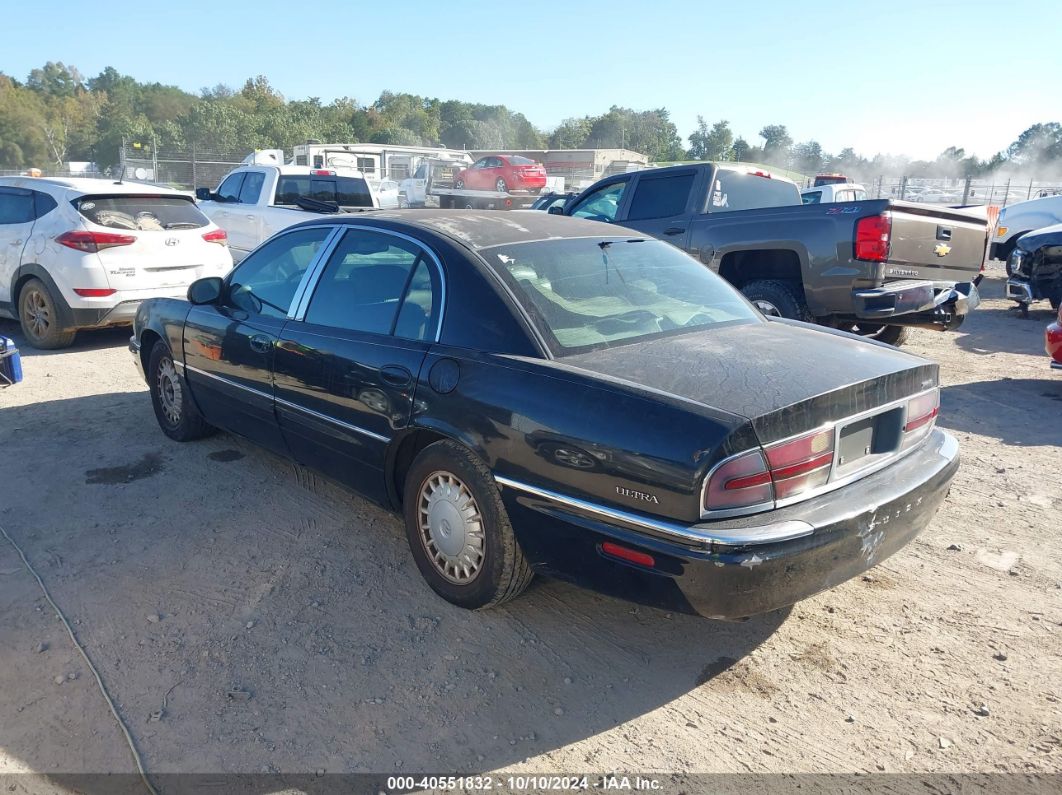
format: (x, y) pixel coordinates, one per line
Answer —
(266, 281)
(602, 204)
(252, 187)
(230, 188)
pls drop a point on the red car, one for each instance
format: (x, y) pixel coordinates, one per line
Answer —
(502, 173)
(1053, 342)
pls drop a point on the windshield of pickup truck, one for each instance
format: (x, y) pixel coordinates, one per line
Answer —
(142, 213)
(736, 190)
(586, 293)
(344, 191)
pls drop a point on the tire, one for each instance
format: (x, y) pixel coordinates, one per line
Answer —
(501, 186)
(778, 299)
(38, 312)
(890, 335)
(459, 184)
(176, 412)
(445, 482)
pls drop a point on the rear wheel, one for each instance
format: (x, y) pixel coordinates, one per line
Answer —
(501, 186)
(38, 312)
(891, 335)
(177, 414)
(776, 298)
(458, 529)
(459, 184)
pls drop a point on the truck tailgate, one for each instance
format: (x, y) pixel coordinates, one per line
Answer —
(935, 243)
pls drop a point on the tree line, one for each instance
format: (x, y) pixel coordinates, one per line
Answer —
(57, 115)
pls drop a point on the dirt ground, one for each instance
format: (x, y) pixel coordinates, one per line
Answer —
(248, 616)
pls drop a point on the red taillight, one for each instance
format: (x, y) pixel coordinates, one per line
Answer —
(94, 292)
(216, 236)
(764, 174)
(741, 482)
(322, 172)
(801, 464)
(922, 411)
(872, 237)
(757, 479)
(93, 242)
(629, 555)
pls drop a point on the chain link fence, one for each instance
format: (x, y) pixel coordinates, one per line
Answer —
(185, 169)
(970, 191)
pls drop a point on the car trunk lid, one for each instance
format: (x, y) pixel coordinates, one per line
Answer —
(785, 377)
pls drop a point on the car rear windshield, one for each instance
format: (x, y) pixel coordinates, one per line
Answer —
(586, 293)
(734, 190)
(142, 213)
(521, 161)
(344, 191)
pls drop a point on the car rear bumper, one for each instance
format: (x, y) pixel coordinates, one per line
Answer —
(917, 303)
(118, 315)
(847, 532)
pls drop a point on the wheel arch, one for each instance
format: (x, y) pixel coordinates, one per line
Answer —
(33, 270)
(404, 450)
(741, 266)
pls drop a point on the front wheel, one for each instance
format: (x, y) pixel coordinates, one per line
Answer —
(458, 529)
(177, 414)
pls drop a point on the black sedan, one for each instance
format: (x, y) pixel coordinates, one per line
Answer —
(1035, 268)
(548, 394)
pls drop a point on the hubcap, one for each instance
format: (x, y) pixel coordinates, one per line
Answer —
(169, 391)
(451, 527)
(37, 312)
(500, 185)
(766, 307)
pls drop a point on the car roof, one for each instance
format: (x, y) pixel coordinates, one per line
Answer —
(88, 185)
(482, 229)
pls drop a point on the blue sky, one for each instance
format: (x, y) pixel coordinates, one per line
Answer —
(890, 76)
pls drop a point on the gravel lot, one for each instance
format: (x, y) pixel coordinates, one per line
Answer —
(248, 616)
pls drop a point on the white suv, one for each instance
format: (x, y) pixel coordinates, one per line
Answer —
(83, 253)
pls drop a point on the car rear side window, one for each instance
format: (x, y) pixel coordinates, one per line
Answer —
(43, 203)
(733, 190)
(344, 191)
(812, 197)
(661, 197)
(252, 187)
(376, 283)
(141, 213)
(16, 206)
(516, 160)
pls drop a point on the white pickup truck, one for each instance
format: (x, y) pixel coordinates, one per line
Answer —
(254, 202)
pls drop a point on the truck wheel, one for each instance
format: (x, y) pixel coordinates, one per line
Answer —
(38, 313)
(778, 299)
(458, 529)
(890, 335)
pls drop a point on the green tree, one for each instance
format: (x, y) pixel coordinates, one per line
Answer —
(776, 143)
(571, 134)
(808, 157)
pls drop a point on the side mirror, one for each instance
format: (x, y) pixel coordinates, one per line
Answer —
(556, 209)
(203, 194)
(205, 291)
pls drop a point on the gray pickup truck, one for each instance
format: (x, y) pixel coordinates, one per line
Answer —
(875, 267)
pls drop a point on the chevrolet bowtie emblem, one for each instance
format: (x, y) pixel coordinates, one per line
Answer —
(942, 250)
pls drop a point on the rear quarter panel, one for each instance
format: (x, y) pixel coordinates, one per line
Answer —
(536, 423)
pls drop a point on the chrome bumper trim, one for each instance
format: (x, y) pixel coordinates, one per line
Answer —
(722, 536)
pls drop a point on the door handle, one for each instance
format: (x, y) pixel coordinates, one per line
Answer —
(674, 230)
(249, 217)
(16, 242)
(943, 233)
(396, 375)
(261, 343)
